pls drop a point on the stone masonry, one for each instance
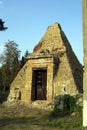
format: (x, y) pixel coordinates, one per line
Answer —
(51, 70)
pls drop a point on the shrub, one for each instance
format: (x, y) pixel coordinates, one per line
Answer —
(66, 104)
(69, 103)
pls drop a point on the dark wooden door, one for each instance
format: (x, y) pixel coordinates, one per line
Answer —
(40, 83)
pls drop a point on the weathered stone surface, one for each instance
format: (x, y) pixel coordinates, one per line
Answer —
(54, 54)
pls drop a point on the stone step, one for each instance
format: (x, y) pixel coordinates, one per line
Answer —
(41, 104)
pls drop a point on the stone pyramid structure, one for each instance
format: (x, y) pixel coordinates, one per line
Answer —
(51, 70)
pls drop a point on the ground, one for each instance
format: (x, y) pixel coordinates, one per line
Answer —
(24, 117)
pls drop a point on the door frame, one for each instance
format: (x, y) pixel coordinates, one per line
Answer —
(34, 86)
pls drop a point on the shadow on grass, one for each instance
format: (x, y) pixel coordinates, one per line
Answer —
(23, 120)
(23, 123)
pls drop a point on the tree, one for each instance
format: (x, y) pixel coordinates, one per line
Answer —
(2, 28)
(3, 78)
(10, 63)
(24, 58)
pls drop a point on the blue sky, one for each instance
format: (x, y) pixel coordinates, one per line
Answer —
(27, 21)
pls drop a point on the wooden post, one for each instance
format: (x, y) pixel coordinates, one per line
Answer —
(84, 12)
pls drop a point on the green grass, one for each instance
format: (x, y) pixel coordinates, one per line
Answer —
(15, 118)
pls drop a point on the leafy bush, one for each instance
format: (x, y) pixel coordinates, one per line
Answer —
(66, 104)
(69, 104)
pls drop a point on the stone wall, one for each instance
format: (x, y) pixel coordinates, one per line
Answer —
(23, 81)
(69, 75)
(64, 72)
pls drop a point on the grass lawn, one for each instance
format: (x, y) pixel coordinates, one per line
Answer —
(20, 117)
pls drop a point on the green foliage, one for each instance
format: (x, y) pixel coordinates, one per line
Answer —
(24, 58)
(2, 28)
(69, 105)
(10, 66)
(3, 96)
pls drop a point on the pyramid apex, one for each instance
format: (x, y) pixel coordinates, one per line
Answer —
(52, 38)
(55, 25)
